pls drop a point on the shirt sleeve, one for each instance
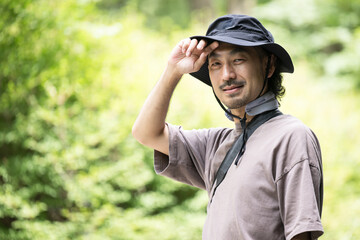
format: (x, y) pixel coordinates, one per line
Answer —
(186, 160)
(300, 187)
(298, 203)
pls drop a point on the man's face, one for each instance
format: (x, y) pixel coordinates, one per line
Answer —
(237, 74)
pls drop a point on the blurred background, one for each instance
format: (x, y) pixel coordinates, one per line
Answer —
(75, 73)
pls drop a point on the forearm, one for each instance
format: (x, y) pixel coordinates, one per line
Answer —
(149, 128)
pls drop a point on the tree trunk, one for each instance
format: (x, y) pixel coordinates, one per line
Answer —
(200, 4)
(240, 6)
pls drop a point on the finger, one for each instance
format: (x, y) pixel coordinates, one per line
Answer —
(211, 47)
(201, 44)
(185, 44)
(201, 60)
(205, 53)
(192, 46)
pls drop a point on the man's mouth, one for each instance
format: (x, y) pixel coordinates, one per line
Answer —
(229, 89)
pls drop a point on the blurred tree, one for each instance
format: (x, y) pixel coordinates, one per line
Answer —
(24, 61)
(201, 4)
(331, 29)
(69, 166)
(240, 6)
(70, 91)
(164, 15)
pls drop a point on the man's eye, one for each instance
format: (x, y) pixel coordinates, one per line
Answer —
(239, 60)
(214, 64)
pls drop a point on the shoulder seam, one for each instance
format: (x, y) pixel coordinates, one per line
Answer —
(288, 169)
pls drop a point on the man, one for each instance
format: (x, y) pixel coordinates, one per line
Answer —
(272, 185)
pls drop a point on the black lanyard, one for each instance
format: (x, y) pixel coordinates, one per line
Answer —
(238, 148)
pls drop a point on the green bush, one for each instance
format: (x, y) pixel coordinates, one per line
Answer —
(70, 168)
(73, 76)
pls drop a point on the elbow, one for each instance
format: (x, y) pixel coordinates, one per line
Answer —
(136, 132)
(147, 136)
(140, 134)
(152, 139)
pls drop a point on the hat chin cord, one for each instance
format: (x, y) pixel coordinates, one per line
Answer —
(243, 120)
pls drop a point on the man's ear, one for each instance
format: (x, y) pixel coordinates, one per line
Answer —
(272, 65)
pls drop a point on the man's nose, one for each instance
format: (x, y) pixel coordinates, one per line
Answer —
(228, 72)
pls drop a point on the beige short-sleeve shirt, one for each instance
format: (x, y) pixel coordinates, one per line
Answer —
(276, 190)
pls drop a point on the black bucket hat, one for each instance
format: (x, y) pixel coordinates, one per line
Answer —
(244, 31)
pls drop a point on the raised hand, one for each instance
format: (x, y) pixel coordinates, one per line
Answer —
(150, 128)
(189, 55)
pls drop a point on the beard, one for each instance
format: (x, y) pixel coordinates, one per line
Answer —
(236, 100)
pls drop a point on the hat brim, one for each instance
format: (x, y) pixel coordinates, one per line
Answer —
(286, 64)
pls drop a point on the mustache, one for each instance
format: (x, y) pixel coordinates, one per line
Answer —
(232, 82)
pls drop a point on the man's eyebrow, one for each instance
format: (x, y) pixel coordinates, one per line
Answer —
(232, 52)
(214, 55)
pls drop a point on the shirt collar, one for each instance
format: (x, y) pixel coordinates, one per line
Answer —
(262, 104)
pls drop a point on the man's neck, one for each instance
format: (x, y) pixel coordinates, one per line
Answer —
(241, 113)
(248, 118)
(262, 104)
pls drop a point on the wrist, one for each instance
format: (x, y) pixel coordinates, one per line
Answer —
(171, 72)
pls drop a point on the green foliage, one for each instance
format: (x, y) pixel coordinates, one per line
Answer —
(162, 15)
(73, 76)
(322, 32)
(69, 166)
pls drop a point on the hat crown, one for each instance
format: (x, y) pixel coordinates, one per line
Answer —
(246, 31)
(241, 27)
